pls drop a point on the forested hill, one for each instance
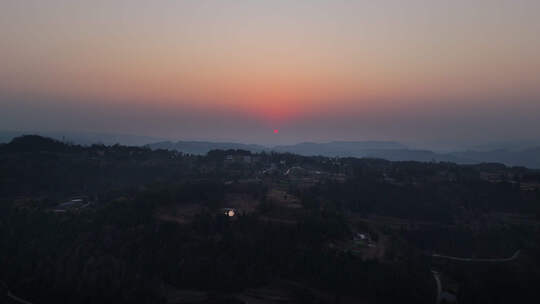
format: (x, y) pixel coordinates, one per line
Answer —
(117, 224)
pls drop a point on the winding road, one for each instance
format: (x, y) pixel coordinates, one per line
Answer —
(493, 260)
(7, 293)
(438, 279)
(439, 286)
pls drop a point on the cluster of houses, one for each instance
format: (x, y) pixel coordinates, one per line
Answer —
(362, 240)
(74, 204)
(246, 159)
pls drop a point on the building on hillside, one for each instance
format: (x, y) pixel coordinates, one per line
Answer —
(74, 204)
(229, 212)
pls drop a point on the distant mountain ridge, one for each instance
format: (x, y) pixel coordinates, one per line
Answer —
(338, 148)
(334, 148)
(529, 157)
(203, 147)
(389, 150)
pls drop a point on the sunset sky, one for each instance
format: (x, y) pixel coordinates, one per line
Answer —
(413, 71)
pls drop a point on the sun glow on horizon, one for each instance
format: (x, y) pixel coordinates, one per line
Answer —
(224, 67)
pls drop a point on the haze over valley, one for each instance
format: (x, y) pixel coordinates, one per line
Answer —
(269, 151)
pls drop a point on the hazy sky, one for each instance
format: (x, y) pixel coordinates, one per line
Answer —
(432, 71)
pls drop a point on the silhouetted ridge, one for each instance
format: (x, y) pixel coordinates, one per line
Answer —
(32, 143)
(203, 147)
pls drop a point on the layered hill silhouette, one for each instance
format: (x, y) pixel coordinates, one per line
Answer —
(389, 150)
(394, 151)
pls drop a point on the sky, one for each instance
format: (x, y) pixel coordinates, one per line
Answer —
(453, 72)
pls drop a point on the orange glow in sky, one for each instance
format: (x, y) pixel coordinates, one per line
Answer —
(274, 62)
